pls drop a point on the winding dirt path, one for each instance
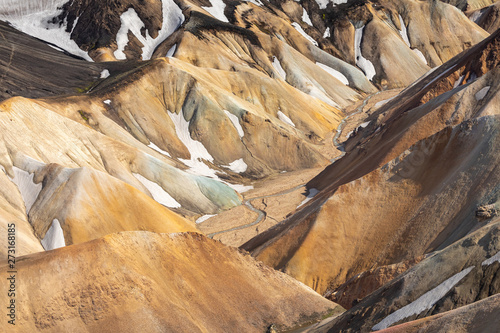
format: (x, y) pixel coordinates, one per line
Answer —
(261, 214)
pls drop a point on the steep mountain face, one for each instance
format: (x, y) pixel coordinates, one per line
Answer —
(434, 150)
(351, 145)
(487, 17)
(150, 282)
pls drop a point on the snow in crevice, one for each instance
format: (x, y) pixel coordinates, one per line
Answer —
(236, 123)
(171, 51)
(327, 33)
(159, 194)
(284, 118)
(404, 32)
(312, 193)
(54, 238)
(305, 17)
(482, 93)
(28, 189)
(303, 33)
(459, 81)
(476, 16)
(203, 218)
(363, 63)
(108, 102)
(336, 74)
(105, 74)
(420, 55)
(172, 18)
(217, 10)
(35, 19)
(491, 260)
(424, 302)
(238, 166)
(277, 66)
(158, 149)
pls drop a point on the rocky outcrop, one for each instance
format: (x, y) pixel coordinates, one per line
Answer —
(468, 273)
(487, 18)
(358, 287)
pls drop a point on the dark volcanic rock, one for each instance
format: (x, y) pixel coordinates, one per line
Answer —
(31, 68)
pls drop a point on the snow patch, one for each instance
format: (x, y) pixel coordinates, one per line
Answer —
(305, 17)
(381, 103)
(283, 117)
(196, 149)
(159, 194)
(336, 74)
(327, 33)
(238, 166)
(420, 55)
(255, 2)
(198, 153)
(217, 10)
(35, 19)
(105, 74)
(28, 189)
(303, 33)
(482, 93)
(172, 19)
(363, 63)
(236, 123)
(323, 3)
(171, 51)
(239, 187)
(404, 32)
(476, 16)
(158, 149)
(312, 193)
(491, 260)
(54, 238)
(204, 218)
(424, 302)
(108, 102)
(459, 81)
(277, 66)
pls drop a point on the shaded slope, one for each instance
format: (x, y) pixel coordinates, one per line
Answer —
(156, 282)
(481, 317)
(470, 266)
(31, 68)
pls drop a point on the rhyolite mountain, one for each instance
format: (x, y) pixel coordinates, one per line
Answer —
(348, 148)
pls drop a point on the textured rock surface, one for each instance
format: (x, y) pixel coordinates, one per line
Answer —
(156, 282)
